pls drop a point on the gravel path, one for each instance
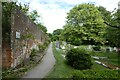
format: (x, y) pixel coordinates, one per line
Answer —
(42, 69)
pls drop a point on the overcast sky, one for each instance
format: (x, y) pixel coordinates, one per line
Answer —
(53, 12)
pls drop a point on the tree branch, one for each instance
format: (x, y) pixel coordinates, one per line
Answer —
(111, 25)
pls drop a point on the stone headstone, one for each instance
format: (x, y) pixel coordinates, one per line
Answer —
(90, 47)
(57, 44)
(110, 49)
(75, 47)
(115, 49)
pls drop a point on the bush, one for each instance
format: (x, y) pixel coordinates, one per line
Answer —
(41, 48)
(95, 74)
(78, 59)
(97, 48)
(33, 53)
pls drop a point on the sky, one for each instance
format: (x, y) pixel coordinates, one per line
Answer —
(54, 12)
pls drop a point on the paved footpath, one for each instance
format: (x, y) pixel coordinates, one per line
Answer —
(42, 69)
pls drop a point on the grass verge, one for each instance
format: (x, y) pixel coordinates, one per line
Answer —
(61, 69)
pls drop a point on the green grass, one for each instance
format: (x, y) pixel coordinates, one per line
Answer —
(61, 69)
(98, 67)
(112, 57)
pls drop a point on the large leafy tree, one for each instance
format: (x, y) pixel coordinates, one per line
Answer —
(86, 25)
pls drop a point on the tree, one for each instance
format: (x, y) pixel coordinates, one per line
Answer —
(72, 36)
(115, 20)
(113, 31)
(56, 35)
(112, 20)
(87, 23)
(106, 15)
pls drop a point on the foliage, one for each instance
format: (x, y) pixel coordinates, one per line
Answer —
(106, 15)
(112, 19)
(56, 35)
(42, 27)
(95, 74)
(78, 59)
(27, 36)
(24, 7)
(6, 18)
(96, 48)
(41, 47)
(33, 53)
(34, 15)
(61, 69)
(85, 22)
(71, 36)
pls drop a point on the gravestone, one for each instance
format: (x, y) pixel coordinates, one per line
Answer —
(89, 47)
(75, 46)
(57, 44)
(115, 49)
(109, 49)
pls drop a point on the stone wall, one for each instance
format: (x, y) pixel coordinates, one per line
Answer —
(25, 36)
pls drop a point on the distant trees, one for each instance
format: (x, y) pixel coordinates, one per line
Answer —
(56, 35)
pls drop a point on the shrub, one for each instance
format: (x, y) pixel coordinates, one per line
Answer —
(95, 74)
(76, 42)
(78, 59)
(33, 53)
(41, 48)
(97, 48)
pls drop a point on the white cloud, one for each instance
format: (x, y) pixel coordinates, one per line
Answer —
(53, 12)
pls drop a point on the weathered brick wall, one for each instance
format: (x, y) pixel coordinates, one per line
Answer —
(21, 47)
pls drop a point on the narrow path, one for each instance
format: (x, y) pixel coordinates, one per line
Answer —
(42, 69)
